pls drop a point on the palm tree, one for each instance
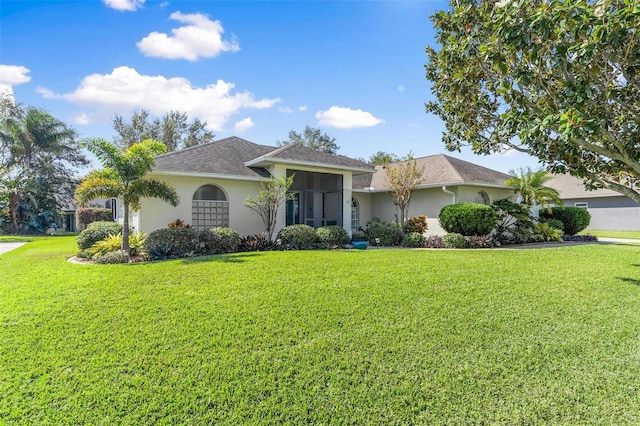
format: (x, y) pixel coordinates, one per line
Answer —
(530, 185)
(124, 177)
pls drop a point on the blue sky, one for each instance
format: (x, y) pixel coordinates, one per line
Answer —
(254, 69)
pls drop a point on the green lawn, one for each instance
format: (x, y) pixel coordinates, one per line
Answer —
(381, 337)
(614, 234)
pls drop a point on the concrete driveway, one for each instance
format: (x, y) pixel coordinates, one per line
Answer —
(5, 247)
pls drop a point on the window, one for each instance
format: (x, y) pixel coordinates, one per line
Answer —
(355, 215)
(209, 208)
(581, 205)
(483, 198)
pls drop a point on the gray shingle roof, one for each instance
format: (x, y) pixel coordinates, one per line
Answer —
(438, 170)
(571, 187)
(229, 157)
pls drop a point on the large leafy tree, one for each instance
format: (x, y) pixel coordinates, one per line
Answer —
(559, 80)
(124, 176)
(530, 185)
(174, 130)
(39, 157)
(313, 138)
(402, 178)
(266, 204)
(381, 158)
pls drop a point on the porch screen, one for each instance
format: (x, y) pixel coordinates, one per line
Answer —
(209, 208)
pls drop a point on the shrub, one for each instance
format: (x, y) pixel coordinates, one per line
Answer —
(171, 243)
(114, 243)
(332, 236)
(257, 242)
(219, 240)
(178, 223)
(358, 236)
(545, 232)
(478, 241)
(554, 223)
(388, 233)
(515, 223)
(433, 241)
(87, 215)
(298, 237)
(95, 232)
(454, 240)
(574, 219)
(416, 224)
(413, 239)
(113, 257)
(468, 218)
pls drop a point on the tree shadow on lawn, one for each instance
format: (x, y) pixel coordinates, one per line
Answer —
(630, 280)
(224, 258)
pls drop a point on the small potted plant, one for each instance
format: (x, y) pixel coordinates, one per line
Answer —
(359, 241)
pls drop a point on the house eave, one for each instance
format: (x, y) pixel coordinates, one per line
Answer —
(266, 161)
(436, 185)
(206, 175)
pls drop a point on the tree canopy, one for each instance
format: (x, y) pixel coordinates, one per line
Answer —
(174, 130)
(403, 177)
(39, 158)
(530, 185)
(313, 138)
(559, 80)
(381, 158)
(124, 176)
(266, 204)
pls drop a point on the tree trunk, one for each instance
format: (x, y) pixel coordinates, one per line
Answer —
(14, 206)
(125, 229)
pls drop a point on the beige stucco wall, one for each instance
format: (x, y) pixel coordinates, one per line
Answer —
(156, 214)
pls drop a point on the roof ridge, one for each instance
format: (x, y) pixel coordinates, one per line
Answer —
(194, 147)
(448, 157)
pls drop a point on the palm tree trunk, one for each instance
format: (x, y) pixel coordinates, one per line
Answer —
(125, 229)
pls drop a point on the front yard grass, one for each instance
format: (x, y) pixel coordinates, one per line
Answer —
(322, 337)
(634, 235)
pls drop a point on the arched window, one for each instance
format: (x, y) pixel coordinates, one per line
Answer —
(483, 198)
(355, 215)
(209, 207)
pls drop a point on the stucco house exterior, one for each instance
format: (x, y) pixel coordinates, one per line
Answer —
(213, 181)
(609, 210)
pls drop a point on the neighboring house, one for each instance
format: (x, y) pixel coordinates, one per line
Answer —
(609, 210)
(446, 180)
(213, 180)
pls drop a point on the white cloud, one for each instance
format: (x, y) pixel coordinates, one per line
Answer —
(244, 124)
(400, 88)
(285, 109)
(125, 5)
(164, 4)
(201, 37)
(10, 75)
(415, 125)
(302, 108)
(125, 90)
(347, 118)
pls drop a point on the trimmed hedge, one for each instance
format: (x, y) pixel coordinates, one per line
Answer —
(97, 231)
(219, 240)
(171, 243)
(298, 237)
(388, 233)
(413, 240)
(332, 236)
(575, 219)
(87, 215)
(468, 219)
(454, 240)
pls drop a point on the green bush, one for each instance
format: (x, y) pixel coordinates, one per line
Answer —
(97, 231)
(87, 215)
(332, 236)
(468, 218)
(170, 243)
(388, 233)
(219, 240)
(413, 239)
(478, 241)
(297, 237)
(515, 223)
(454, 240)
(545, 232)
(554, 223)
(574, 219)
(113, 257)
(416, 224)
(114, 243)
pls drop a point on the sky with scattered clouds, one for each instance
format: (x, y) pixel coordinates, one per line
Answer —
(254, 69)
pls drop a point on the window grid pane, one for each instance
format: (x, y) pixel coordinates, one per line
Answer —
(209, 214)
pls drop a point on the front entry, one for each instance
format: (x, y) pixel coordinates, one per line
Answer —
(317, 199)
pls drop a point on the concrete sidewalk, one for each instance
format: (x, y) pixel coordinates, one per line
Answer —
(5, 247)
